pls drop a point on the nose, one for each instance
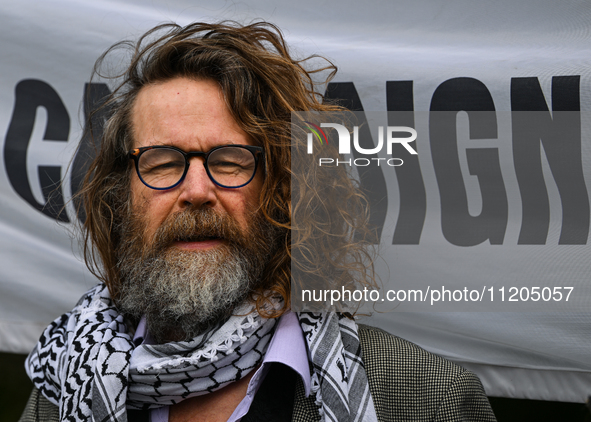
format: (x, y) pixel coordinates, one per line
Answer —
(197, 189)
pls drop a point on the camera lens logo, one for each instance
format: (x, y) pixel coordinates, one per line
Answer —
(320, 135)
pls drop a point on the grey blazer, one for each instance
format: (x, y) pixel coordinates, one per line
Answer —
(407, 384)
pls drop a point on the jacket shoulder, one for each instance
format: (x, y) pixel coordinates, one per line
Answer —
(383, 351)
(410, 383)
(39, 409)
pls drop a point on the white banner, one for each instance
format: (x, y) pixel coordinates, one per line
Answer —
(392, 56)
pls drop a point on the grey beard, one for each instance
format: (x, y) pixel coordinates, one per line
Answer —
(184, 293)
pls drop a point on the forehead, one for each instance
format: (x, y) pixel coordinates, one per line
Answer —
(186, 113)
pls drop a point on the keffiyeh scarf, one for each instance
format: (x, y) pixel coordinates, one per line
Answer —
(87, 363)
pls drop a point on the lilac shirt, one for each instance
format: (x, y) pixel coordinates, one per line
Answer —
(287, 347)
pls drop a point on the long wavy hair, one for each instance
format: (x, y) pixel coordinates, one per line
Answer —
(262, 85)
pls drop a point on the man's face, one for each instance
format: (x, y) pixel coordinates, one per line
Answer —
(190, 254)
(191, 115)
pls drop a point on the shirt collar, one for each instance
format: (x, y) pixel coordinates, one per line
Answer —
(289, 348)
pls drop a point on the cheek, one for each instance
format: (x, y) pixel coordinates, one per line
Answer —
(137, 198)
(245, 203)
(255, 189)
(151, 206)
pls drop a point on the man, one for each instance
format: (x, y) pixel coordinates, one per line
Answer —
(188, 219)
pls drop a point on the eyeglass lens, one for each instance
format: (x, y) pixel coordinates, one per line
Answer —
(229, 166)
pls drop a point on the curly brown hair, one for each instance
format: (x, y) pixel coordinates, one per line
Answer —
(262, 85)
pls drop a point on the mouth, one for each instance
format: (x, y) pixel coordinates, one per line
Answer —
(197, 242)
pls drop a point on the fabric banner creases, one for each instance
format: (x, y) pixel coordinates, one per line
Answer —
(501, 199)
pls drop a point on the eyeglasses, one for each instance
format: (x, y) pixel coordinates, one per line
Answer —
(164, 167)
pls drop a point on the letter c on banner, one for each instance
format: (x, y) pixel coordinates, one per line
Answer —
(30, 94)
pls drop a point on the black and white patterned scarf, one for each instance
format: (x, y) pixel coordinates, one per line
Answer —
(87, 363)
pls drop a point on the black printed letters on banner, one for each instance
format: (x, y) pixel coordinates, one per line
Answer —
(534, 125)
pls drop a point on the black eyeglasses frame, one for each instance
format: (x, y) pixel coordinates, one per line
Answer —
(256, 151)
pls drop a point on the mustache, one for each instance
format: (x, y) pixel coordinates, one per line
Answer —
(194, 225)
